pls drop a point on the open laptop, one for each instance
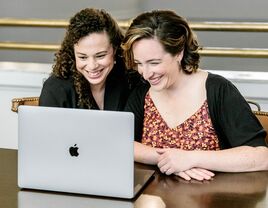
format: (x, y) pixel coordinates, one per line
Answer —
(78, 151)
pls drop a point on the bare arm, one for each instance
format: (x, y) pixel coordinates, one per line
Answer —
(145, 154)
(238, 159)
(148, 155)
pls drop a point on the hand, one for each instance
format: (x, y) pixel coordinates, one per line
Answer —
(199, 174)
(174, 160)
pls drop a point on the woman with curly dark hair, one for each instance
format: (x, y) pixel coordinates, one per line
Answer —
(89, 72)
(187, 121)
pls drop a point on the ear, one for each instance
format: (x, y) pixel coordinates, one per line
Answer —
(179, 56)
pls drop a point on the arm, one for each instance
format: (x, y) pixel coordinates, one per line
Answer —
(232, 118)
(238, 159)
(145, 154)
(149, 155)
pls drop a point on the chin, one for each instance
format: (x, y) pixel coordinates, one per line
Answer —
(157, 88)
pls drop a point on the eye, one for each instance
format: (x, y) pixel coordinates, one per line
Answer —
(82, 57)
(154, 63)
(137, 64)
(100, 56)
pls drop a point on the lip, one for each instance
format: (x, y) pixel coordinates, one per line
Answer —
(155, 80)
(95, 74)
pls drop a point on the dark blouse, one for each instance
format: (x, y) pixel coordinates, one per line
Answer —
(57, 92)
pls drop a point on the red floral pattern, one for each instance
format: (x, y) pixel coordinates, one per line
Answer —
(196, 133)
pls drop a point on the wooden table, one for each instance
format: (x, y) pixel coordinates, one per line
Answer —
(239, 190)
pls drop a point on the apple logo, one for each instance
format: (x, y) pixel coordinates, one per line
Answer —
(74, 151)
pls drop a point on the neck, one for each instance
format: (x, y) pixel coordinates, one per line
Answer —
(98, 94)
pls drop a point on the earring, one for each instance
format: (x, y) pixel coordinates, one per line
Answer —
(114, 62)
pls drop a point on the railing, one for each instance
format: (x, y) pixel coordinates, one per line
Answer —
(197, 26)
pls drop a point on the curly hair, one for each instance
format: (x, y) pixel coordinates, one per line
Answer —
(172, 31)
(83, 23)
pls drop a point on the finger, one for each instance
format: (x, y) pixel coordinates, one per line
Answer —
(162, 160)
(203, 174)
(169, 171)
(164, 168)
(194, 175)
(207, 172)
(183, 175)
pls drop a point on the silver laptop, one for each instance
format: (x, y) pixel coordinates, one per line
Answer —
(78, 151)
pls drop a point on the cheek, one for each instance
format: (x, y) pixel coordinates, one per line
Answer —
(139, 69)
(79, 64)
(107, 62)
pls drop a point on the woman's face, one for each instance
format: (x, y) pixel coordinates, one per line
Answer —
(159, 68)
(94, 55)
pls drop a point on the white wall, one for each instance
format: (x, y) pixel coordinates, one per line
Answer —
(17, 80)
(252, 85)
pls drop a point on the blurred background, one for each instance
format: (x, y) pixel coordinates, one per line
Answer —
(205, 10)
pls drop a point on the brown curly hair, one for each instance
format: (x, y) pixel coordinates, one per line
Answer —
(83, 23)
(171, 30)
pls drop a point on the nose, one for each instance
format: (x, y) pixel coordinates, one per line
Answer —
(145, 71)
(92, 64)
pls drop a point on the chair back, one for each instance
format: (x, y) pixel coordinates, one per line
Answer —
(16, 102)
(263, 118)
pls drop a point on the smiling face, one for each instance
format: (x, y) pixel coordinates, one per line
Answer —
(158, 67)
(94, 56)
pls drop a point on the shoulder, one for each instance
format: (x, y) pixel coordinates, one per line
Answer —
(54, 82)
(219, 84)
(139, 92)
(215, 79)
(134, 78)
(136, 99)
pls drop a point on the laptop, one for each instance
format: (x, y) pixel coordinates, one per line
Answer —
(78, 151)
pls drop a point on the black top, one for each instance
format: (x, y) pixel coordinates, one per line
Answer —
(234, 122)
(58, 92)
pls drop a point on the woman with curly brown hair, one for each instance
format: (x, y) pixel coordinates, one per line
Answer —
(89, 72)
(187, 121)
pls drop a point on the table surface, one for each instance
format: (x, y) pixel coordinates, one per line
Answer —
(242, 190)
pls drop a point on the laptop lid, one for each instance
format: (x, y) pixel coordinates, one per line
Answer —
(76, 151)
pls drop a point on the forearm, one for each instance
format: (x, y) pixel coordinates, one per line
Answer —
(145, 154)
(238, 159)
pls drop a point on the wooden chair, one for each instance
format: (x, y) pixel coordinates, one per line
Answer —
(261, 115)
(16, 102)
(263, 118)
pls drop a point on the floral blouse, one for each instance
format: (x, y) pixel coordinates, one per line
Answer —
(195, 133)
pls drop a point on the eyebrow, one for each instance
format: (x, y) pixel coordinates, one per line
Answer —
(80, 53)
(150, 60)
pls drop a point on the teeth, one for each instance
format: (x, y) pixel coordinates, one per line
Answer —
(94, 73)
(155, 80)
